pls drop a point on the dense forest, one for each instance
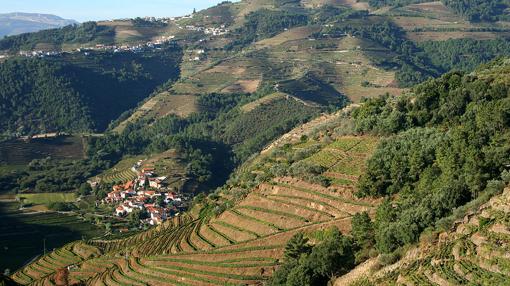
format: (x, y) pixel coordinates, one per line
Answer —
(393, 3)
(35, 98)
(464, 54)
(480, 10)
(447, 145)
(88, 32)
(78, 92)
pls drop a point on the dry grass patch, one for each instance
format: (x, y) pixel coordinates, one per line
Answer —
(277, 221)
(309, 199)
(443, 36)
(161, 105)
(180, 105)
(239, 253)
(290, 35)
(231, 234)
(227, 69)
(264, 100)
(243, 86)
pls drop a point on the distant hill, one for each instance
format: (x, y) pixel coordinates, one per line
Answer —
(19, 23)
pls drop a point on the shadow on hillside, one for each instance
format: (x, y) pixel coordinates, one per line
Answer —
(23, 237)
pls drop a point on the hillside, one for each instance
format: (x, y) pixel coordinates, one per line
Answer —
(206, 248)
(78, 92)
(19, 23)
(305, 138)
(328, 49)
(472, 251)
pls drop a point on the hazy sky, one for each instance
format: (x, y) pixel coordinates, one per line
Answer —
(83, 10)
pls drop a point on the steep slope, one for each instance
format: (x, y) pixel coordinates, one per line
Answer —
(79, 92)
(473, 251)
(239, 236)
(19, 23)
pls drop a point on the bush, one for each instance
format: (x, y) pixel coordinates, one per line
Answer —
(62, 207)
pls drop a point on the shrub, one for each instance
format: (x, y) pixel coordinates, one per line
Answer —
(61, 207)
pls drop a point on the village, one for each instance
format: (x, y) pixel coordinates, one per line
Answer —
(149, 195)
(155, 44)
(138, 48)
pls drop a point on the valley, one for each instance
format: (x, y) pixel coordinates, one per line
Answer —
(205, 249)
(260, 142)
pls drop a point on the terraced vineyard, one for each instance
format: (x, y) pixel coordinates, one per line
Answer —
(242, 245)
(46, 266)
(121, 172)
(475, 252)
(17, 152)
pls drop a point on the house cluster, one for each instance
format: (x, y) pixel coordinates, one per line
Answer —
(197, 55)
(213, 31)
(137, 48)
(147, 193)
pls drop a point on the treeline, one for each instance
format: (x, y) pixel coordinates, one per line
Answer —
(447, 145)
(413, 65)
(266, 23)
(142, 23)
(327, 13)
(480, 10)
(75, 93)
(418, 62)
(393, 3)
(213, 141)
(73, 34)
(464, 54)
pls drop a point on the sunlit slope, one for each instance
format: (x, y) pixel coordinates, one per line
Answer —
(243, 244)
(473, 252)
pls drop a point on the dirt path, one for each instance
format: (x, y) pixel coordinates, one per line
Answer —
(306, 129)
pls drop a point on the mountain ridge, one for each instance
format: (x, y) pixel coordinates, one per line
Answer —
(19, 22)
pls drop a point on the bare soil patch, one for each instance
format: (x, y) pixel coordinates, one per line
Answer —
(243, 86)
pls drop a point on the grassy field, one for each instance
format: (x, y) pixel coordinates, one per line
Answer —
(47, 198)
(161, 105)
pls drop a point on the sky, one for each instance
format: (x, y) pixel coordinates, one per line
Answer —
(87, 10)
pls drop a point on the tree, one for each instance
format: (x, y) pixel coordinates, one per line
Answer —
(305, 265)
(160, 201)
(135, 216)
(333, 256)
(362, 231)
(297, 246)
(85, 189)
